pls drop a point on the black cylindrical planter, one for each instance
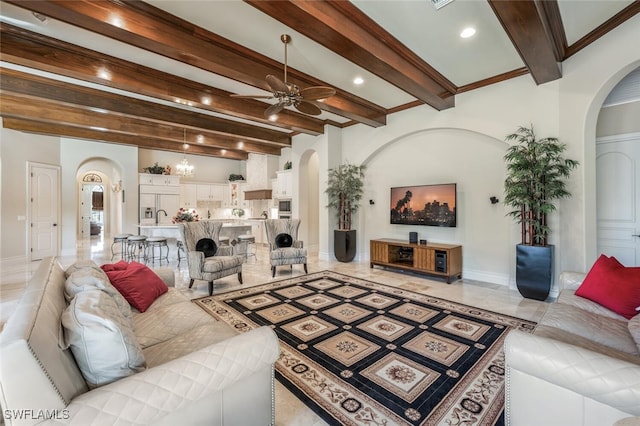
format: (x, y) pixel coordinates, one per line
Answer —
(344, 244)
(534, 271)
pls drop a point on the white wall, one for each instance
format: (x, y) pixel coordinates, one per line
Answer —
(17, 149)
(205, 169)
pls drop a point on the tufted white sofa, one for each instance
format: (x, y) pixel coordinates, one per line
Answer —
(581, 366)
(198, 371)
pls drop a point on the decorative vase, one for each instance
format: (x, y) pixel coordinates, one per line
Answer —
(344, 244)
(534, 271)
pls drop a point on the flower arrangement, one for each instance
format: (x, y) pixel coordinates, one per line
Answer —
(185, 215)
(237, 212)
(157, 170)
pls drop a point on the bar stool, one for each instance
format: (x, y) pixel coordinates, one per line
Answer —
(180, 250)
(248, 241)
(136, 247)
(122, 240)
(151, 244)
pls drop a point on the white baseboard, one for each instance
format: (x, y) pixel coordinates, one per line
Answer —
(486, 276)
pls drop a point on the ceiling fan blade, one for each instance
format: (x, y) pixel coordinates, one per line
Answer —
(276, 84)
(307, 107)
(273, 109)
(252, 96)
(317, 92)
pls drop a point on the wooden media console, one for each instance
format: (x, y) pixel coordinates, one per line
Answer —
(444, 260)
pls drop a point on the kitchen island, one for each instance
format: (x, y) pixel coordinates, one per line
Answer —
(229, 229)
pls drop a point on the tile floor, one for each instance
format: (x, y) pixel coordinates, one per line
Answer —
(289, 410)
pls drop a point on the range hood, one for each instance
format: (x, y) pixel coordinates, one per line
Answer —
(257, 194)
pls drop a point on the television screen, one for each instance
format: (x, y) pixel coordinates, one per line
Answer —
(430, 205)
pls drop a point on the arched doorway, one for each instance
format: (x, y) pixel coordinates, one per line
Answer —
(617, 180)
(99, 199)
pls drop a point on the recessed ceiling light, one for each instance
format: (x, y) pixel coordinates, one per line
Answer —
(358, 81)
(468, 32)
(273, 117)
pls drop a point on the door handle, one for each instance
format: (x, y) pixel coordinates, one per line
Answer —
(634, 235)
(55, 224)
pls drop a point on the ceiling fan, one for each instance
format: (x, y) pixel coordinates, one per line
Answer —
(289, 94)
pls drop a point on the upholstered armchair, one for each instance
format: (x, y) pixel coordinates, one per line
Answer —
(206, 258)
(284, 246)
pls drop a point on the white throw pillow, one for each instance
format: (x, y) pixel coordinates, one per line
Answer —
(89, 279)
(102, 342)
(634, 329)
(82, 264)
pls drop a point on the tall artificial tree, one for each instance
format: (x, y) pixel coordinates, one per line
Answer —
(536, 177)
(344, 189)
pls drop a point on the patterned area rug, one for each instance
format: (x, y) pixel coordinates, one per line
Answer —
(362, 353)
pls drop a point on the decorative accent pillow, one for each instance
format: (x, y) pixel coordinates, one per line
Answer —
(612, 285)
(634, 329)
(83, 279)
(207, 246)
(138, 284)
(284, 240)
(81, 264)
(100, 339)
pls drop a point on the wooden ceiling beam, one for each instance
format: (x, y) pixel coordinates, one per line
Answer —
(30, 49)
(114, 127)
(533, 31)
(33, 126)
(20, 83)
(152, 29)
(341, 27)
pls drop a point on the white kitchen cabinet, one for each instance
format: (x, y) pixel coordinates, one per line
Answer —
(236, 195)
(188, 197)
(284, 183)
(158, 180)
(210, 192)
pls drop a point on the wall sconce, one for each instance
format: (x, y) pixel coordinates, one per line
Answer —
(117, 187)
(494, 199)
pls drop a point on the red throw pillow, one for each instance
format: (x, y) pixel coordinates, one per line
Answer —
(137, 283)
(612, 285)
(115, 266)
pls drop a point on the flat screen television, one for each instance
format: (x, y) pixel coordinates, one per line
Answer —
(429, 205)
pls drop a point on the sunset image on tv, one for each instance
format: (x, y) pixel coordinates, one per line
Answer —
(431, 205)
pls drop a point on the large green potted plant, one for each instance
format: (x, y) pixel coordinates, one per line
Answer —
(536, 177)
(344, 189)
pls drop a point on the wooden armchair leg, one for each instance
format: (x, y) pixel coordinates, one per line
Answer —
(240, 277)
(305, 269)
(191, 283)
(210, 288)
(273, 271)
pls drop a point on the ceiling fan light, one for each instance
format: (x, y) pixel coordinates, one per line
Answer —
(273, 117)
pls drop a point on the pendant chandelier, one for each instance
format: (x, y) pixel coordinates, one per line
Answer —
(184, 168)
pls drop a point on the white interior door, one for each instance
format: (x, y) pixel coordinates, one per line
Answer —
(44, 211)
(618, 197)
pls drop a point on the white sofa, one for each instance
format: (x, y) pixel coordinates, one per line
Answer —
(198, 370)
(581, 366)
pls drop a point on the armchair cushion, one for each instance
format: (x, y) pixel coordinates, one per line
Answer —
(284, 240)
(138, 284)
(613, 286)
(220, 263)
(207, 246)
(101, 340)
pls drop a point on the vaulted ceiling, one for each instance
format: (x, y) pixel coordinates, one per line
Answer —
(160, 73)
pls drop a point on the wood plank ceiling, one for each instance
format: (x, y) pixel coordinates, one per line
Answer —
(172, 110)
